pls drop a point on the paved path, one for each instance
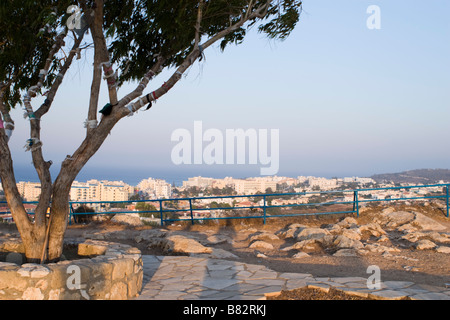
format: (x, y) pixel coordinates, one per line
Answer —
(188, 278)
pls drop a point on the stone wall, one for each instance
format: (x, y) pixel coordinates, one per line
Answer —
(115, 273)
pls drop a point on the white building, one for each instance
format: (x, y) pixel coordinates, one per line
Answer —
(198, 182)
(250, 186)
(29, 191)
(156, 188)
(364, 180)
(94, 190)
(223, 183)
(322, 183)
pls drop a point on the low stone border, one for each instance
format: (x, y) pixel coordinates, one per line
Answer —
(115, 273)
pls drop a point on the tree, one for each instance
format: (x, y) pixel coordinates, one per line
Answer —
(142, 206)
(133, 40)
(269, 191)
(215, 204)
(79, 217)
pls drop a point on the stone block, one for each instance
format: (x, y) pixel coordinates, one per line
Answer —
(119, 291)
(88, 249)
(122, 268)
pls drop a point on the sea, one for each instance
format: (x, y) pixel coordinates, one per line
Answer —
(132, 176)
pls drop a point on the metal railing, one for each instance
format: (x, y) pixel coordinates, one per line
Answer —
(266, 207)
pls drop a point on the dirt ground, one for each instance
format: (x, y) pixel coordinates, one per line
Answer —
(425, 267)
(314, 294)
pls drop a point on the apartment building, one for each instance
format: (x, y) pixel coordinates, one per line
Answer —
(255, 185)
(156, 188)
(29, 191)
(199, 182)
(322, 183)
(223, 183)
(94, 190)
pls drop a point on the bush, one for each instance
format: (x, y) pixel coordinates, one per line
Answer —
(83, 218)
(141, 206)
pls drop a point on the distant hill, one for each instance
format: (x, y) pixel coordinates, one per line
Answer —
(420, 176)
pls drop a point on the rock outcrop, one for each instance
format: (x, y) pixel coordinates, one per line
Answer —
(348, 238)
(131, 219)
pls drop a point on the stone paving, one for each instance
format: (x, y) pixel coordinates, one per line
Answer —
(196, 278)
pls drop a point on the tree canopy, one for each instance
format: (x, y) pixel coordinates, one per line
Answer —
(137, 32)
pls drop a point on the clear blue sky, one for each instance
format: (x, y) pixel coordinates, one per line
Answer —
(348, 101)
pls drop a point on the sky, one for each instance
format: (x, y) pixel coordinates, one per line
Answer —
(346, 100)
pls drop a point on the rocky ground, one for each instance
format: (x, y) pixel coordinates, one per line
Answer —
(407, 242)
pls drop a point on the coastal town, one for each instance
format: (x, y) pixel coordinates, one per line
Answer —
(212, 195)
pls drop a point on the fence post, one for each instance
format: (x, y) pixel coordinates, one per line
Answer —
(356, 203)
(70, 214)
(192, 214)
(161, 213)
(447, 192)
(265, 209)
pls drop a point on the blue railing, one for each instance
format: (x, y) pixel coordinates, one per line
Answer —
(265, 207)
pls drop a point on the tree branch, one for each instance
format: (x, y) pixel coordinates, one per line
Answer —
(45, 107)
(260, 12)
(198, 24)
(97, 35)
(8, 181)
(33, 91)
(143, 84)
(42, 167)
(102, 54)
(8, 122)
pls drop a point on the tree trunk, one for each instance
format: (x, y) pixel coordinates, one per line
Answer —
(34, 244)
(63, 183)
(59, 220)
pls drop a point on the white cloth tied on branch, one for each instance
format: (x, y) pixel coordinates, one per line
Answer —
(132, 110)
(91, 124)
(112, 76)
(9, 128)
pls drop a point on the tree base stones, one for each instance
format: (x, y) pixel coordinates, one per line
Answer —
(114, 273)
